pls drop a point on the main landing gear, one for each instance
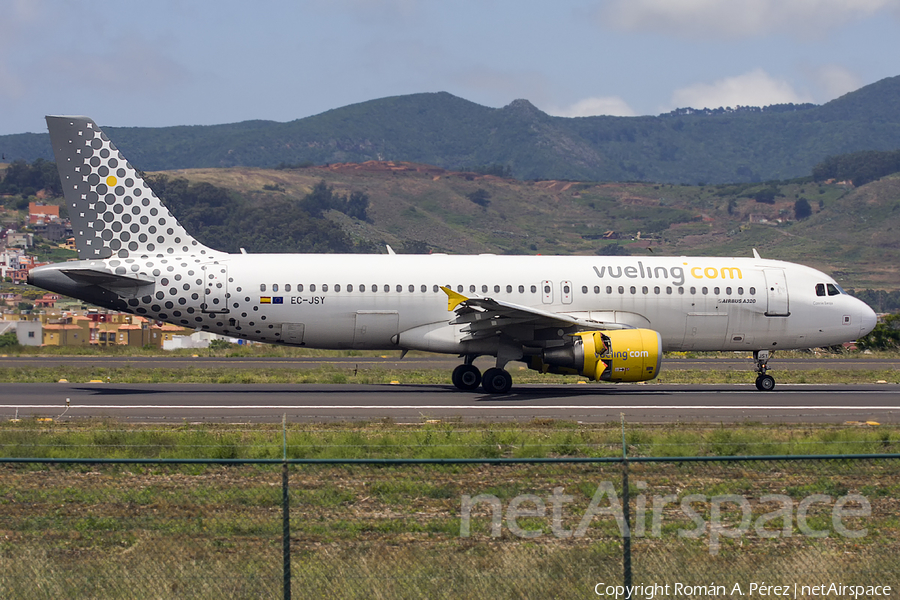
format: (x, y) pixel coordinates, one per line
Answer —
(764, 381)
(467, 377)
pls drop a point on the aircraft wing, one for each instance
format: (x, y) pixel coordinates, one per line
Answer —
(485, 317)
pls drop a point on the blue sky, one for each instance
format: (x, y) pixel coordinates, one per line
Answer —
(196, 62)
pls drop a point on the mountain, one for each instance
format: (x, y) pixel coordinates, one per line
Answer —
(685, 146)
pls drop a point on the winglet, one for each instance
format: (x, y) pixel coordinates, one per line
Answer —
(755, 253)
(453, 299)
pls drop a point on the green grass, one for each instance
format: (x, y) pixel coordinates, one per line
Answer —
(538, 439)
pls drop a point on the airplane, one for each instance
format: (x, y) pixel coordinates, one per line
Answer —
(605, 318)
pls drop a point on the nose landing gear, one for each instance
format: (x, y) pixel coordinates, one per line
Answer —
(764, 381)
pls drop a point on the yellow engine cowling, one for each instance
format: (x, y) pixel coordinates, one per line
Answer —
(615, 355)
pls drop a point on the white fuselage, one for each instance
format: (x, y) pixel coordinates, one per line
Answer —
(377, 301)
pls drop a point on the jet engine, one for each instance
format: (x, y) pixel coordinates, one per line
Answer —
(615, 355)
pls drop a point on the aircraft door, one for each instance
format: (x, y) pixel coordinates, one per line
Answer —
(547, 291)
(566, 289)
(776, 293)
(215, 288)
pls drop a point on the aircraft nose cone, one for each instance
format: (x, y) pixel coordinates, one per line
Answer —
(867, 320)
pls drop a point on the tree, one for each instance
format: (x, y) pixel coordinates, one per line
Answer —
(9, 340)
(802, 209)
(885, 336)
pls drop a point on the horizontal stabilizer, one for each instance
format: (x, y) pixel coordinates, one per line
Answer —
(112, 281)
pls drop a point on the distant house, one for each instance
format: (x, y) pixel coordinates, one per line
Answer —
(40, 214)
(20, 240)
(64, 334)
(47, 301)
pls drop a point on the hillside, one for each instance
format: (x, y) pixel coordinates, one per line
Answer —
(685, 146)
(850, 232)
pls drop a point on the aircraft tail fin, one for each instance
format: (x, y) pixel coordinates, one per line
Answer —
(113, 210)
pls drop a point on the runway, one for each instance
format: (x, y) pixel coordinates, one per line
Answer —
(651, 403)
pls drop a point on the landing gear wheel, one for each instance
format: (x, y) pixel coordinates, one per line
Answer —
(466, 377)
(496, 381)
(765, 383)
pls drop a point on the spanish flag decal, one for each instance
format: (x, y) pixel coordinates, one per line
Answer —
(265, 300)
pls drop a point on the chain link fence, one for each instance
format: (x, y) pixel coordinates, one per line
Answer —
(443, 528)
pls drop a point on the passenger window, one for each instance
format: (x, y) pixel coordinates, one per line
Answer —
(484, 289)
(496, 289)
(509, 289)
(596, 289)
(459, 289)
(521, 289)
(374, 287)
(753, 291)
(324, 287)
(716, 291)
(362, 287)
(412, 288)
(425, 288)
(584, 289)
(436, 289)
(656, 289)
(312, 287)
(299, 287)
(621, 289)
(287, 287)
(546, 289)
(533, 289)
(274, 287)
(349, 287)
(668, 289)
(728, 291)
(262, 287)
(471, 289)
(633, 290)
(681, 290)
(387, 288)
(693, 291)
(645, 290)
(399, 288)
(705, 291)
(832, 290)
(337, 287)
(740, 291)
(609, 289)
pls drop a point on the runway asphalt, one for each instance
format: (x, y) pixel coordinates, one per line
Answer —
(590, 403)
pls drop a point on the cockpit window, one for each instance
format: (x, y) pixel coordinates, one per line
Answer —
(820, 289)
(833, 290)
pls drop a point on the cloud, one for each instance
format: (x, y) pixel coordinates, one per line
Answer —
(835, 80)
(600, 105)
(727, 19)
(756, 88)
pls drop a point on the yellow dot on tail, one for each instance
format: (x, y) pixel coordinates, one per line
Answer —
(111, 181)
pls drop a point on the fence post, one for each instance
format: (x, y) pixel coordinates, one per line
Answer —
(626, 513)
(285, 518)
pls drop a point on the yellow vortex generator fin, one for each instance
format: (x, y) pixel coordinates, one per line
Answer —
(453, 299)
